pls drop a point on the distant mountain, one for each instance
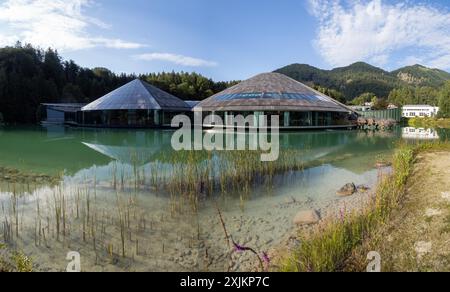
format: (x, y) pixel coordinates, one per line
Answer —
(422, 76)
(361, 77)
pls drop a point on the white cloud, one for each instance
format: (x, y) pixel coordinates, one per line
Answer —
(176, 59)
(61, 24)
(376, 31)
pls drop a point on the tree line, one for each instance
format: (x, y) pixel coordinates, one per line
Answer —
(30, 76)
(410, 96)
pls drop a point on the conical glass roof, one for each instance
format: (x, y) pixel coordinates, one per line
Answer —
(137, 95)
(271, 92)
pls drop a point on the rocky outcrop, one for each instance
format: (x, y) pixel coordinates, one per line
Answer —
(377, 124)
(347, 190)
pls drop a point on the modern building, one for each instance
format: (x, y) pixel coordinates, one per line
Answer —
(192, 103)
(420, 111)
(136, 104)
(297, 105)
(61, 113)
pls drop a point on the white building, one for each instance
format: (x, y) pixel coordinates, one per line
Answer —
(361, 108)
(419, 111)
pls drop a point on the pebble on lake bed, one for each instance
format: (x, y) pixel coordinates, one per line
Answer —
(307, 217)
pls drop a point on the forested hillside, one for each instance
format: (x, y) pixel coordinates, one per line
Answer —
(29, 77)
(414, 84)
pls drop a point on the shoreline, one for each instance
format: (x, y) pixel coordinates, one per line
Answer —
(333, 246)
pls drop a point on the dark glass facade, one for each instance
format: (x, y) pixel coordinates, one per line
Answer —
(305, 119)
(128, 118)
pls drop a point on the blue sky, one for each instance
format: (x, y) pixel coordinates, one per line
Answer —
(232, 39)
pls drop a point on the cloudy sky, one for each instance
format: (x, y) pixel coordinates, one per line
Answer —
(232, 39)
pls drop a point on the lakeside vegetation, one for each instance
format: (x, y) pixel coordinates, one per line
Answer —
(330, 247)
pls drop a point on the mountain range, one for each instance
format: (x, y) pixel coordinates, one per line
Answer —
(361, 77)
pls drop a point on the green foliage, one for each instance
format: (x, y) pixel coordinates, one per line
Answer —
(429, 123)
(331, 93)
(363, 98)
(422, 76)
(416, 84)
(444, 101)
(351, 81)
(187, 86)
(408, 95)
(23, 263)
(379, 103)
(30, 76)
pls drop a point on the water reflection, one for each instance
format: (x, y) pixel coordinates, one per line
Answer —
(121, 229)
(420, 134)
(54, 150)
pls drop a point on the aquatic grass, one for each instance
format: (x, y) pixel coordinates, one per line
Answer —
(196, 174)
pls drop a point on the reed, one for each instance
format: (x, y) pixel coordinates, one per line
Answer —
(15, 207)
(122, 223)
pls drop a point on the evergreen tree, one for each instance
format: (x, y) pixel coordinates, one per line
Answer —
(444, 101)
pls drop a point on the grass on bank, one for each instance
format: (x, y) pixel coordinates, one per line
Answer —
(17, 262)
(329, 248)
(429, 123)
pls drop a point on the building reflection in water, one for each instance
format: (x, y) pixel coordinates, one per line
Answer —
(420, 134)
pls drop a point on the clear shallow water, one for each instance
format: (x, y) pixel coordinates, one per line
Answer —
(155, 230)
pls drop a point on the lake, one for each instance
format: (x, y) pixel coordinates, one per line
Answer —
(126, 201)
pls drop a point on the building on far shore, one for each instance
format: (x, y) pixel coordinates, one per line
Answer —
(141, 105)
(420, 111)
(135, 105)
(297, 105)
(61, 113)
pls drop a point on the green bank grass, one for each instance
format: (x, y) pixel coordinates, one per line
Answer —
(329, 247)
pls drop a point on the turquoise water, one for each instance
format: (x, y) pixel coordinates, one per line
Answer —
(58, 149)
(162, 231)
